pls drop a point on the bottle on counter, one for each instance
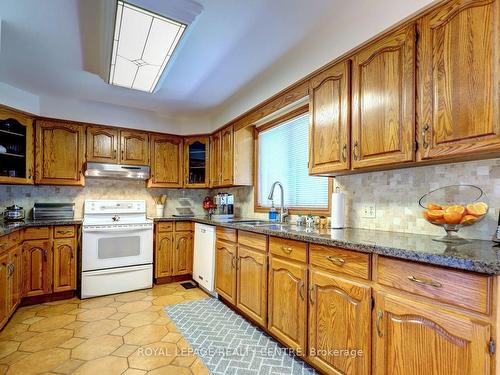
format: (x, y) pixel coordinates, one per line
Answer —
(273, 213)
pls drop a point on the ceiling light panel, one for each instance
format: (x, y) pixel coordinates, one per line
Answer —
(143, 44)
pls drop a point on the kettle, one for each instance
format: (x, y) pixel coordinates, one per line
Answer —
(13, 213)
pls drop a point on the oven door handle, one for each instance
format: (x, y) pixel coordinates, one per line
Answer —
(115, 230)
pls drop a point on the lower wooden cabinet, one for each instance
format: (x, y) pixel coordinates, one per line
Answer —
(15, 291)
(64, 253)
(413, 338)
(339, 319)
(225, 270)
(173, 250)
(10, 279)
(164, 254)
(287, 304)
(37, 261)
(251, 283)
(4, 288)
(183, 253)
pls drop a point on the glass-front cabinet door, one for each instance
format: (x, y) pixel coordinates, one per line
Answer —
(16, 148)
(196, 162)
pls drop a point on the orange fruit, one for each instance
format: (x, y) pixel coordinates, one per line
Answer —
(435, 214)
(468, 220)
(433, 206)
(452, 217)
(477, 209)
(425, 215)
(455, 209)
(439, 221)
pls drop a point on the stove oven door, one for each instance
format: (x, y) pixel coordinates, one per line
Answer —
(105, 248)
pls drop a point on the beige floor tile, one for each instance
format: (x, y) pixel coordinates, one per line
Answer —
(133, 307)
(145, 335)
(132, 371)
(33, 319)
(97, 347)
(121, 331)
(172, 337)
(8, 347)
(99, 328)
(125, 350)
(76, 311)
(46, 340)
(129, 297)
(106, 365)
(118, 316)
(40, 362)
(153, 356)
(184, 360)
(199, 368)
(96, 314)
(116, 304)
(171, 370)
(155, 308)
(167, 300)
(69, 366)
(22, 314)
(3, 369)
(13, 358)
(162, 320)
(75, 325)
(57, 309)
(12, 329)
(23, 336)
(94, 303)
(71, 343)
(51, 323)
(139, 319)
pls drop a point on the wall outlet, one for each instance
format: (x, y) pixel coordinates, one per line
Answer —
(368, 211)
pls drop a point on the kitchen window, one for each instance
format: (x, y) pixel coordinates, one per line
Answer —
(283, 155)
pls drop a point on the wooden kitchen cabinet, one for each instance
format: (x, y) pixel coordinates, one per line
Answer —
(134, 147)
(227, 157)
(64, 257)
(459, 90)
(339, 318)
(196, 162)
(164, 254)
(183, 254)
(330, 128)
(166, 161)
(225, 270)
(215, 160)
(413, 338)
(60, 153)
(4, 288)
(15, 278)
(383, 101)
(37, 263)
(287, 304)
(102, 144)
(251, 282)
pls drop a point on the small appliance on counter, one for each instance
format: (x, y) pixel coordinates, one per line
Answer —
(13, 213)
(224, 207)
(50, 211)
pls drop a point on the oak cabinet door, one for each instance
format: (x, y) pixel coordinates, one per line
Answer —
(227, 156)
(287, 304)
(252, 284)
(37, 273)
(134, 147)
(330, 129)
(339, 318)
(413, 339)
(196, 162)
(225, 270)
(164, 254)
(183, 254)
(459, 83)
(383, 101)
(15, 278)
(4, 288)
(215, 160)
(64, 272)
(166, 161)
(59, 153)
(102, 145)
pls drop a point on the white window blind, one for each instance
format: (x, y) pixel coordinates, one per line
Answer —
(283, 156)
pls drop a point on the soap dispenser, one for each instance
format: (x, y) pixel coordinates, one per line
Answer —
(273, 213)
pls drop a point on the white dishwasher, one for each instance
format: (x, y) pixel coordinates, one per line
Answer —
(204, 256)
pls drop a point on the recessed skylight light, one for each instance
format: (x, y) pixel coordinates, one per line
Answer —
(143, 44)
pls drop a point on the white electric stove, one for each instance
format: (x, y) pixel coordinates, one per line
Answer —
(117, 254)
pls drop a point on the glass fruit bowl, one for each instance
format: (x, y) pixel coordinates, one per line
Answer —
(453, 207)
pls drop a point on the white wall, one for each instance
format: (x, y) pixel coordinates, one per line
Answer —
(16, 98)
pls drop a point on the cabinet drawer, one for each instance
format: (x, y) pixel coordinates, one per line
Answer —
(339, 260)
(10, 240)
(253, 240)
(226, 234)
(66, 231)
(165, 227)
(36, 233)
(459, 288)
(288, 248)
(182, 226)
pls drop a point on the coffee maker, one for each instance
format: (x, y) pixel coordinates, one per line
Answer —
(224, 207)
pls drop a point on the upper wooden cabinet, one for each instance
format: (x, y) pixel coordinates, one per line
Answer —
(60, 153)
(215, 160)
(196, 162)
(102, 144)
(166, 161)
(383, 101)
(16, 135)
(460, 83)
(227, 156)
(330, 129)
(134, 147)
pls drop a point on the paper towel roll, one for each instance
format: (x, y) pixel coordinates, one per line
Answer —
(338, 208)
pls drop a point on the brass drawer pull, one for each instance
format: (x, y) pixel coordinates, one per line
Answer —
(286, 249)
(301, 289)
(380, 315)
(424, 136)
(64, 231)
(429, 282)
(344, 153)
(355, 150)
(311, 291)
(336, 260)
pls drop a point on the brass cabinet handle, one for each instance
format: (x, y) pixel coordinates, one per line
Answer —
(233, 261)
(301, 289)
(311, 291)
(30, 174)
(344, 152)
(424, 135)
(45, 255)
(63, 231)
(114, 154)
(429, 282)
(336, 260)
(355, 151)
(380, 315)
(286, 249)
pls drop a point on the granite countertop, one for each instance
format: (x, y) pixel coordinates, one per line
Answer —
(9, 227)
(476, 255)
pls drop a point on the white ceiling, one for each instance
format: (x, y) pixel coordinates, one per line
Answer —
(52, 48)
